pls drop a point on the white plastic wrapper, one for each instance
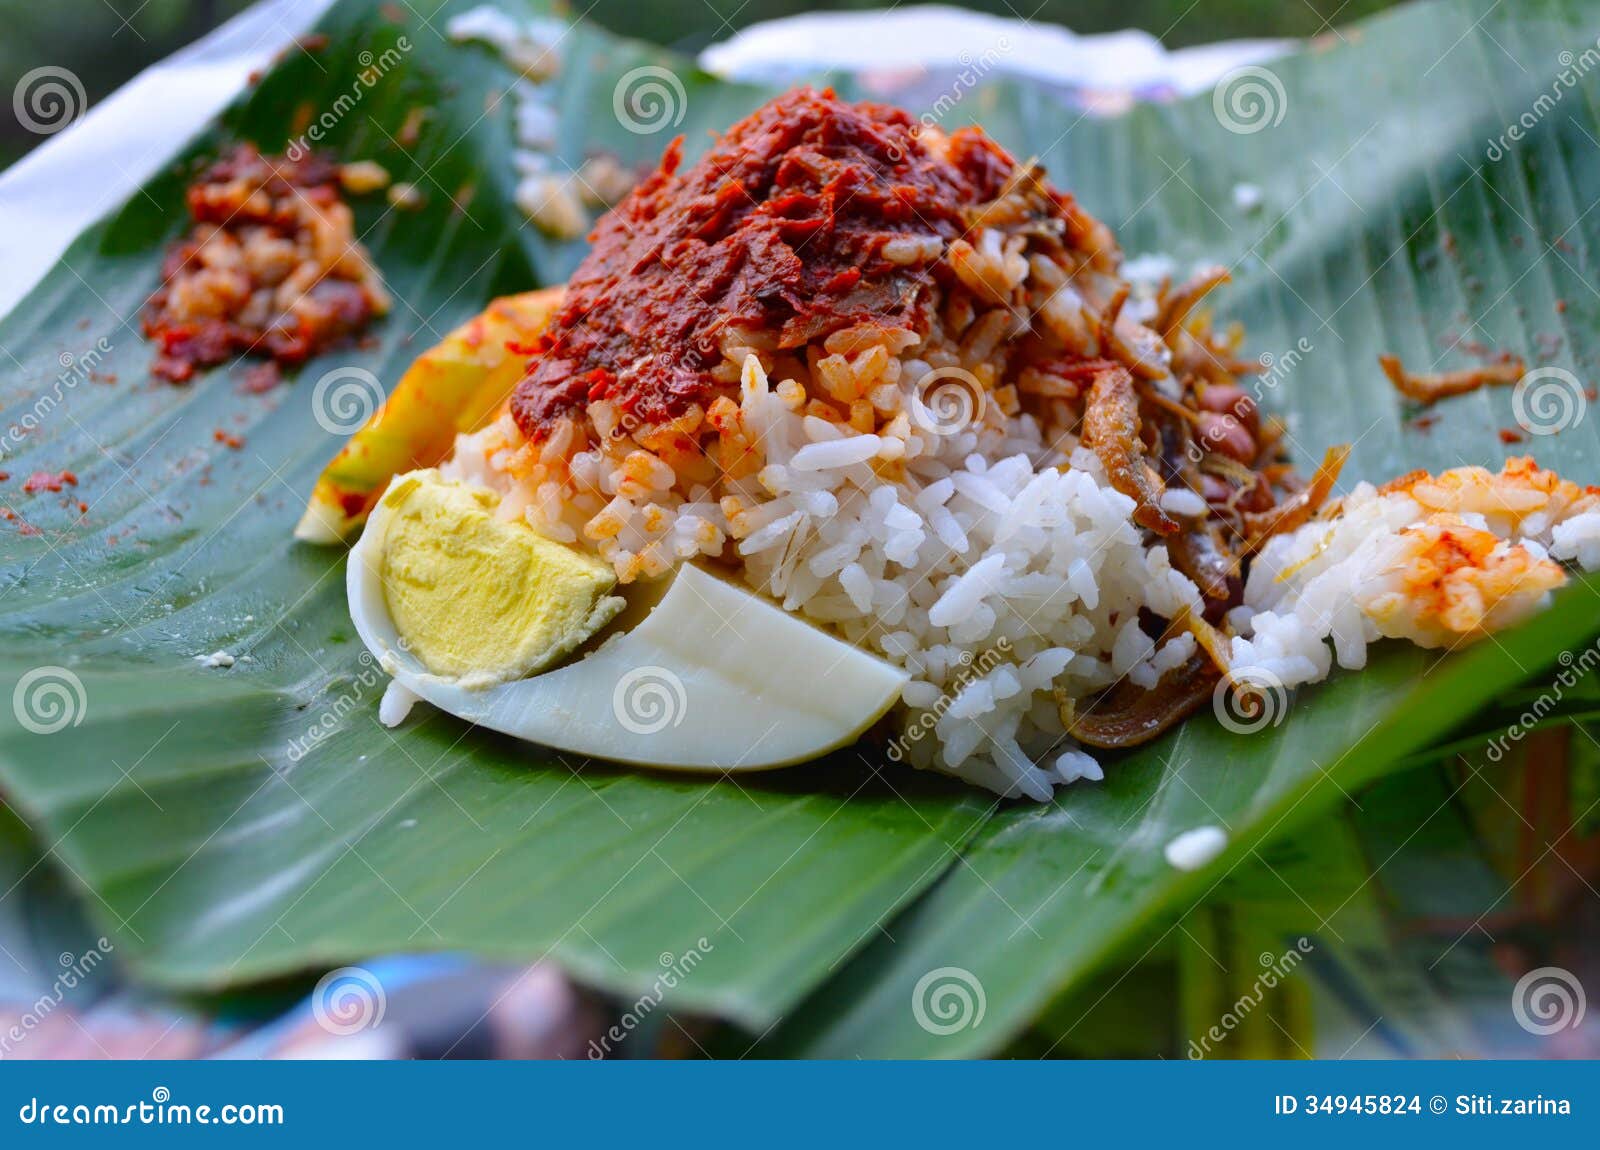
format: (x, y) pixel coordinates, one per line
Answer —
(1114, 67)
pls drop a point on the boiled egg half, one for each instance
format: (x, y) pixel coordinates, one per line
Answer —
(501, 627)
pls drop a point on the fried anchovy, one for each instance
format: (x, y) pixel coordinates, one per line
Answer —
(1111, 430)
(1181, 300)
(1259, 526)
(1128, 715)
(1426, 388)
(1198, 554)
(1198, 550)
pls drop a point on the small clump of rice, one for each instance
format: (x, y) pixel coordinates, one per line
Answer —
(1437, 561)
(554, 197)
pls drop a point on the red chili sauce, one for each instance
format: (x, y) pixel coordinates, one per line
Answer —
(780, 228)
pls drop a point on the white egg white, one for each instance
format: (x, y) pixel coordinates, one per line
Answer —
(714, 678)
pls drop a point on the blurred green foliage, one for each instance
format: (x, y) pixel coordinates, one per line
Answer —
(104, 42)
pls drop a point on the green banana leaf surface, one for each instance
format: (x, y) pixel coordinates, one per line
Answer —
(230, 825)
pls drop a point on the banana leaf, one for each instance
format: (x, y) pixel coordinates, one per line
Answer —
(1399, 927)
(232, 825)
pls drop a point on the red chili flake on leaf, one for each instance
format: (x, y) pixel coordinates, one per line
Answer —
(262, 377)
(228, 438)
(49, 481)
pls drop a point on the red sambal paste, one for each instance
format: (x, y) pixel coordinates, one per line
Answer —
(271, 268)
(779, 229)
